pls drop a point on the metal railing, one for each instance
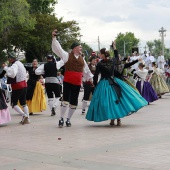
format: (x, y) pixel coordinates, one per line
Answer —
(30, 64)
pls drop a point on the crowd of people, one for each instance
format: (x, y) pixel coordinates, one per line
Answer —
(115, 87)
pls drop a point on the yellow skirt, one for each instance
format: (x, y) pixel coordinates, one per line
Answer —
(38, 102)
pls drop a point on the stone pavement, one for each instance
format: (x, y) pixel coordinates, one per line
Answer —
(141, 143)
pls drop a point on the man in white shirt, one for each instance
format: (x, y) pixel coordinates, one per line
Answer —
(75, 68)
(161, 61)
(144, 56)
(49, 70)
(16, 76)
(133, 58)
(149, 60)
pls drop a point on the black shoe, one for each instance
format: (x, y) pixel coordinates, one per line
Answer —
(83, 111)
(24, 120)
(61, 123)
(112, 122)
(68, 123)
(53, 113)
(31, 113)
(119, 122)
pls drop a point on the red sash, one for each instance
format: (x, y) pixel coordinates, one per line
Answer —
(73, 77)
(19, 85)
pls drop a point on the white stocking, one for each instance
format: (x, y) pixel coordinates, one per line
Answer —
(63, 109)
(84, 104)
(26, 111)
(56, 101)
(18, 110)
(70, 112)
(50, 103)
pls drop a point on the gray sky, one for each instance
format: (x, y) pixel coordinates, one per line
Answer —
(107, 18)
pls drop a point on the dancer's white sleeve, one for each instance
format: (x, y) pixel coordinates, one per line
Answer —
(59, 64)
(11, 71)
(57, 49)
(40, 70)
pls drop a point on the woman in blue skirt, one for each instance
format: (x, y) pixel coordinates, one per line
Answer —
(112, 98)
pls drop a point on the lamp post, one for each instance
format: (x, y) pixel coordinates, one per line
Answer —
(162, 31)
(125, 47)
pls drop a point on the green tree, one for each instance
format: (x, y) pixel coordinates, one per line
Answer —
(68, 32)
(42, 6)
(158, 47)
(31, 26)
(3, 57)
(167, 53)
(155, 47)
(150, 45)
(13, 15)
(37, 43)
(87, 50)
(15, 12)
(129, 40)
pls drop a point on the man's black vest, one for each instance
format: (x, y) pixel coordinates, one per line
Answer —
(50, 69)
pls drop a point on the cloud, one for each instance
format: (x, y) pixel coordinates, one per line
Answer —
(107, 18)
(115, 18)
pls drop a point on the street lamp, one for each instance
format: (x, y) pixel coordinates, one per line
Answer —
(162, 31)
(125, 47)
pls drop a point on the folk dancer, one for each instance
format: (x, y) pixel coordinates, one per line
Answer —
(88, 86)
(135, 57)
(35, 90)
(161, 61)
(149, 60)
(16, 76)
(143, 86)
(49, 70)
(157, 81)
(112, 98)
(5, 116)
(168, 76)
(75, 68)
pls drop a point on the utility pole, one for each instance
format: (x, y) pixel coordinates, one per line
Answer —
(162, 34)
(124, 47)
(98, 44)
(80, 37)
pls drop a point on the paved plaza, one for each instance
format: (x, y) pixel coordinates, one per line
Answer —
(141, 143)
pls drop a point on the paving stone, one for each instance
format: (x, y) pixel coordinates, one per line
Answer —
(141, 143)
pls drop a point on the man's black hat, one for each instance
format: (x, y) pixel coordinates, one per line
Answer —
(50, 56)
(75, 44)
(12, 54)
